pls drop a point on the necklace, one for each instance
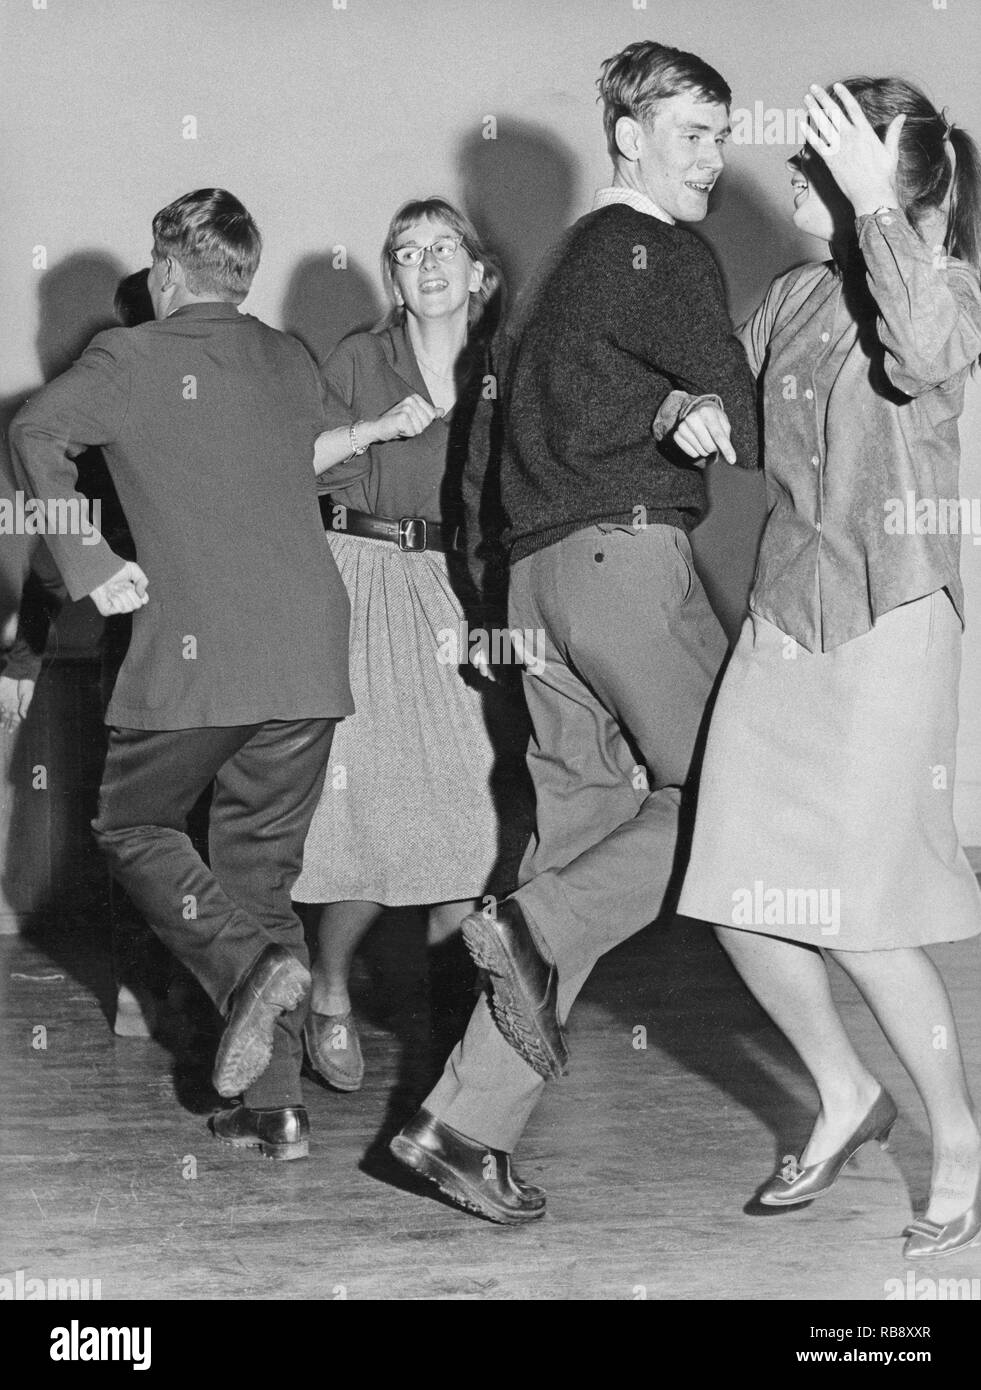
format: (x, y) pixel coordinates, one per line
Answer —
(431, 367)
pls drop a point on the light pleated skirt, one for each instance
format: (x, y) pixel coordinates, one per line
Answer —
(408, 812)
(825, 806)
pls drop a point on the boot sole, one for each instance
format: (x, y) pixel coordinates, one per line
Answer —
(284, 1153)
(449, 1182)
(513, 1012)
(242, 1060)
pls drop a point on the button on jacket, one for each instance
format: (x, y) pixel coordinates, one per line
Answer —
(863, 383)
(207, 421)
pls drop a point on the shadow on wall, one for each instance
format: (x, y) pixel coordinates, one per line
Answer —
(46, 864)
(324, 303)
(520, 192)
(753, 241)
(74, 303)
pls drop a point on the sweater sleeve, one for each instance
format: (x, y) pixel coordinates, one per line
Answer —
(43, 597)
(687, 336)
(483, 517)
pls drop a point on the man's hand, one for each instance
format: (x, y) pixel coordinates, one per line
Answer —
(123, 593)
(15, 701)
(705, 431)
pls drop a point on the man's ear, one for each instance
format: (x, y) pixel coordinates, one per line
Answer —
(627, 133)
(173, 274)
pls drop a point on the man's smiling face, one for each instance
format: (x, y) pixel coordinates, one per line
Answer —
(680, 154)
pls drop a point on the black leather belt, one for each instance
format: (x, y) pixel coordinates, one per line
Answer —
(408, 533)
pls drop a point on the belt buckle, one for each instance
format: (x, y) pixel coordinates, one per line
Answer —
(410, 528)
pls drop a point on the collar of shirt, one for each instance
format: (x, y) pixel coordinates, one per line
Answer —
(619, 193)
(206, 309)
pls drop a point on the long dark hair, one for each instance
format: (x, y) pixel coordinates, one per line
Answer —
(925, 175)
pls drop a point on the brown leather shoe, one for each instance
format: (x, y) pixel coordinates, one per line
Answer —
(471, 1175)
(334, 1049)
(277, 982)
(282, 1134)
(524, 986)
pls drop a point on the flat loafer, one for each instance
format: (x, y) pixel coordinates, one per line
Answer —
(334, 1049)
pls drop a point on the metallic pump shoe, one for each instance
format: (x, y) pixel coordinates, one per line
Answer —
(794, 1184)
(282, 1134)
(277, 982)
(334, 1049)
(524, 986)
(927, 1238)
(474, 1177)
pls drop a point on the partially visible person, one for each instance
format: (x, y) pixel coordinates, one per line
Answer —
(412, 818)
(825, 821)
(140, 975)
(236, 673)
(45, 593)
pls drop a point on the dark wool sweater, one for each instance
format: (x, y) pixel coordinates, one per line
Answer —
(627, 309)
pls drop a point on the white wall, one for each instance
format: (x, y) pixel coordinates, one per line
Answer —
(323, 115)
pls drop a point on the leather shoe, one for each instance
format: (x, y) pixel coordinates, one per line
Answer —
(277, 982)
(282, 1134)
(334, 1049)
(929, 1238)
(524, 986)
(470, 1174)
(792, 1183)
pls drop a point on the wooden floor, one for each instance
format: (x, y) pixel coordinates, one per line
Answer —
(649, 1154)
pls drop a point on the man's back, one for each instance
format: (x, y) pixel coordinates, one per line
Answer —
(207, 419)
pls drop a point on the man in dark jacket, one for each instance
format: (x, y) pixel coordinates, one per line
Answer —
(237, 667)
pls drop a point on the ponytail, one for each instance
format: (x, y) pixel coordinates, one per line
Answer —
(964, 219)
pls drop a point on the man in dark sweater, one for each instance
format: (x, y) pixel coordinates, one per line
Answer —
(236, 671)
(622, 379)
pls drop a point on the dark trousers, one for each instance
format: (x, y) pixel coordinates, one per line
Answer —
(217, 921)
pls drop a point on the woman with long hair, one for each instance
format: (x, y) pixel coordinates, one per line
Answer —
(408, 814)
(825, 821)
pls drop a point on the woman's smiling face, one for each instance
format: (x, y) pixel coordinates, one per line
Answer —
(434, 288)
(820, 208)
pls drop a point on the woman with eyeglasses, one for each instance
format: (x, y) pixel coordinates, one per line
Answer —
(825, 822)
(407, 815)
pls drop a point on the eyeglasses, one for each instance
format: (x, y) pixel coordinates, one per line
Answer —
(444, 249)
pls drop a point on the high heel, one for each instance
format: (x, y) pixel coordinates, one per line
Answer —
(926, 1238)
(792, 1184)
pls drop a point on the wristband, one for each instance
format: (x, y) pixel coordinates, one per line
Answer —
(356, 450)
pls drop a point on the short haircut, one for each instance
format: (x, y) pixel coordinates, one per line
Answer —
(213, 238)
(634, 81)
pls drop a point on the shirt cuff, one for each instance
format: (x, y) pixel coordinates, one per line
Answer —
(675, 407)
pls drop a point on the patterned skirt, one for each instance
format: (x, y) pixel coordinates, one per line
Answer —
(825, 806)
(419, 776)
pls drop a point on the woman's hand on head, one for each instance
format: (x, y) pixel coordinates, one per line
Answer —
(405, 420)
(863, 166)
